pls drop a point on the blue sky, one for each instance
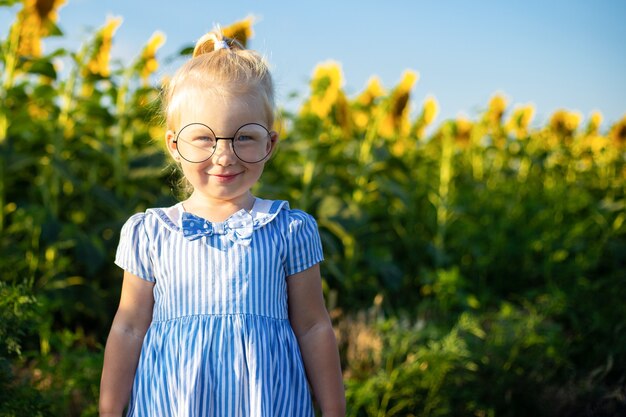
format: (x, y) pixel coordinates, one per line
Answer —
(554, 54)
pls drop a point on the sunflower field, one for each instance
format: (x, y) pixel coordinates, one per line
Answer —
(473, 268)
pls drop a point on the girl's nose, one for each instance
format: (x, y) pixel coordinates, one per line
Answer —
(224, 154)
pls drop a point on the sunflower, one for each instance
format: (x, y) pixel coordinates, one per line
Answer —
(325, 89)
(98, 63)
(34, 21)
(149, 63)
(241, 30)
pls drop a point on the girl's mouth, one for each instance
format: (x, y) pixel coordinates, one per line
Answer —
(225, 177)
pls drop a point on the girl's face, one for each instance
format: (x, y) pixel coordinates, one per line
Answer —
(223, 177)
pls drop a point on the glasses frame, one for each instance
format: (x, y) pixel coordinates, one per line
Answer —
(218, 138)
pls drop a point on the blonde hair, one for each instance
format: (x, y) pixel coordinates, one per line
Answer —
(219, 65)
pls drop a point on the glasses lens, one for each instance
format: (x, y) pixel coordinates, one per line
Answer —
(252, 143)
(196, 142)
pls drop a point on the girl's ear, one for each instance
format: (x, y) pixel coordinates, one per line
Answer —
(170, 137)
(273, 141)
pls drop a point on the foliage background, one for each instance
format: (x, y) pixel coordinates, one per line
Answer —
(472, 268)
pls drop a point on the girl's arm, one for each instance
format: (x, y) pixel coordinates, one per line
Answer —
(314, 331)
(123, 347)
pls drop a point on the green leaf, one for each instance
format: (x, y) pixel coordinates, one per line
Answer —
(43, 67)
(54, 29)
(187, 50)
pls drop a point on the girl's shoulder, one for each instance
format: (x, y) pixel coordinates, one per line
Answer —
(154, 219)
(298, 231)
(278, 211)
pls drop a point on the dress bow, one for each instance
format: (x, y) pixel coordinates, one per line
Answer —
(238, 227)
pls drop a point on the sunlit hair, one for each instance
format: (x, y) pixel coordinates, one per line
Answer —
(228, 71)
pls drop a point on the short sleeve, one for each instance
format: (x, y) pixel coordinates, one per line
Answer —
(304, 243)
(133, 251)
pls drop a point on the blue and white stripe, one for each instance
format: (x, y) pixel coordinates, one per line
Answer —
(220, 343)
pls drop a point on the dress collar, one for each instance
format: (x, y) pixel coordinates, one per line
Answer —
(262, 212)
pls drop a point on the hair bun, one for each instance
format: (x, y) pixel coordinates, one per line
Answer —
(215, 41)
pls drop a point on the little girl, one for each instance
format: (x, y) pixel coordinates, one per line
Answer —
(221, 312)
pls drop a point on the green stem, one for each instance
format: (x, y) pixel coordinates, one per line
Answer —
(2, 192)
(123, 137)
(60, 135)
(307, 181)
(10, 64)
(365, 157)
(10, 59)
(445, 179)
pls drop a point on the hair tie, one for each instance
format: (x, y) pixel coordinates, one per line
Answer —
(220, 45)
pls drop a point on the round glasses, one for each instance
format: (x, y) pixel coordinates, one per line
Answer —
(196, 143)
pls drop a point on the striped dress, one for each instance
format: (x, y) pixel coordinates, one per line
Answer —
(220, 342)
